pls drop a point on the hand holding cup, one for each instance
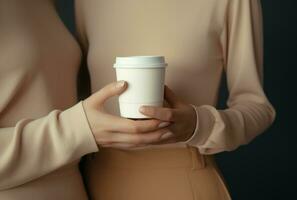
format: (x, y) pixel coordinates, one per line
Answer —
(117, 132)
(182, 117)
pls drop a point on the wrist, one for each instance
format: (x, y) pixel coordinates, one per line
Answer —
(194, 131)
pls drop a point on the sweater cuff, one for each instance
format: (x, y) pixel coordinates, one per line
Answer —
(82, 134)
(196, 128)
(205, 123)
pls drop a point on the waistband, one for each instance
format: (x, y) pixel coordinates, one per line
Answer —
(174, 157)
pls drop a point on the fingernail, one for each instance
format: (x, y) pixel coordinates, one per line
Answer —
(166, 135)
(142, 109)
(163, 124)
(120, 84)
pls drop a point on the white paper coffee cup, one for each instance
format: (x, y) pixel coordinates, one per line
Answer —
(145, 76)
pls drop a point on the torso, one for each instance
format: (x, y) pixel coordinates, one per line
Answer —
(39, 60)
(187, 33)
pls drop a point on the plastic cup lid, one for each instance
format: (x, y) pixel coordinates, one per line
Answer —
(140, 62)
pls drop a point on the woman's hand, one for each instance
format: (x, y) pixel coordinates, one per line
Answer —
(182, 117)
(118, 132)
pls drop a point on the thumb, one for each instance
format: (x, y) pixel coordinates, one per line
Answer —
(110, 90)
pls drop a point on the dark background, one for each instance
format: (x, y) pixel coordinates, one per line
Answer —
(259, 170)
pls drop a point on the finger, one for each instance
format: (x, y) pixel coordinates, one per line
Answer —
(132, 126)
(171, 98)
(138, 139)
(110, 90)
(167, 136)
(161, 113)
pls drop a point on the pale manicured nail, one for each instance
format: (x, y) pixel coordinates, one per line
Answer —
(142, 109)
(120, 84)
(166, 135)
(163, 124)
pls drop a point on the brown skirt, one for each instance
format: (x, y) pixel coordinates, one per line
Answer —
(153, 174)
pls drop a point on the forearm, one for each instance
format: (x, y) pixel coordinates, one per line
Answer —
(34, 148)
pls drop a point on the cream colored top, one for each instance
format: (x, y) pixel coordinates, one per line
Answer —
(200, 39)
(40, 145)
